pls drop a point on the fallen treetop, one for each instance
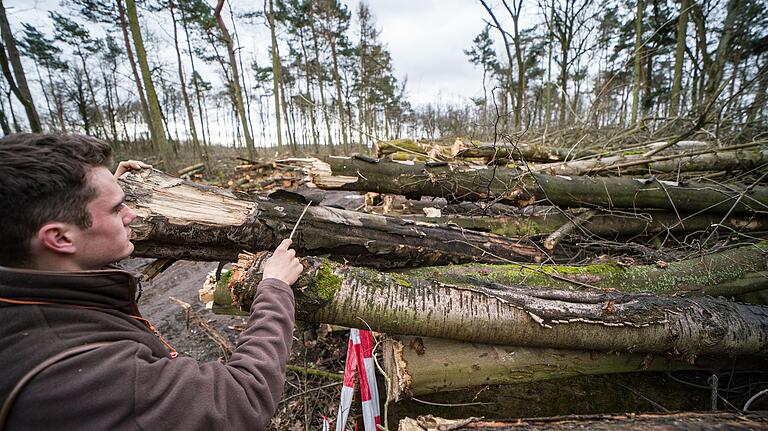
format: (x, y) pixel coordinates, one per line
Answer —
(183, 220)
(498, 184)
(497, 314)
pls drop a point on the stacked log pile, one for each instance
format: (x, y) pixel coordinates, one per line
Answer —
(497, 271)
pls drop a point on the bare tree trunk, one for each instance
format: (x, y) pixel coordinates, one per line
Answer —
(18, 82)
(637, 60)
(677, 78)
(153, 105)
(320, 79)
(235, 81)
(199, 154)
(276, 75)
(132, 61)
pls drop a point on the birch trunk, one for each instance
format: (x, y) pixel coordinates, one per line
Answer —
(497, 314)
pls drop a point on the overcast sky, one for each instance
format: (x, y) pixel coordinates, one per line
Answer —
(425, 37)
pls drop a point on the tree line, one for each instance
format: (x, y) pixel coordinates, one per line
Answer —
(330, 85)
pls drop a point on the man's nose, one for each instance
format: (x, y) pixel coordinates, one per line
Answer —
(129, 216)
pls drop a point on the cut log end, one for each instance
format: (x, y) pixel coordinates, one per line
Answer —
(398, 379)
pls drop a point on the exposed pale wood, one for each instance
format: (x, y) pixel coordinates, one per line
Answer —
(183, 220)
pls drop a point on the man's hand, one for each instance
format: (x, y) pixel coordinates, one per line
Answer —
(130, 165)
(283, 265)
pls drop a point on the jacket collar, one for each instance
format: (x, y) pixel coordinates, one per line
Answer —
(108, 288)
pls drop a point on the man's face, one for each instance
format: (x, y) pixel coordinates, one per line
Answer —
(107, 240)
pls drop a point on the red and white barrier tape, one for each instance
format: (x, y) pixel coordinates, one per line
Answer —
(360, 356)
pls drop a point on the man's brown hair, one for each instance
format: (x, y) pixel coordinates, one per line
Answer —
(43, 178)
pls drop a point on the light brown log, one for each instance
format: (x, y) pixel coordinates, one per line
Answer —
(182, 220)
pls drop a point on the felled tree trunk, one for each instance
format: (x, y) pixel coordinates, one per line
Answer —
(726, 273)
(603, 224)
(496, 314)
(183, 220)
(408, 146)
(527, 152)
(720, 161)
(515, 187)
(684, 421)
(420, 365)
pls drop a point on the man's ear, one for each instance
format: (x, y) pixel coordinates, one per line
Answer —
(57, 237)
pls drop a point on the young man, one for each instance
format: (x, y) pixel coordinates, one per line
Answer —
(71, 328)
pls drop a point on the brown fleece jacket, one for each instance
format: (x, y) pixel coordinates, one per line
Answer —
(131, 383)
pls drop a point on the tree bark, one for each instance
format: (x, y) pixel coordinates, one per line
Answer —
(685, 421)
(677, 77)
(419, 365)
(637, 60)
(498, 314)
(726, 273)
(235, 81)
(527, 152)
(19, 84)
(604, 224)
(132, 61)
(497, 184)
(712, 160)
(185, 96)
(183, 220)
(153, 105)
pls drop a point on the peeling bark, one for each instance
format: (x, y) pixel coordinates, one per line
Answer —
(497, 314)
(497, 184)
(182, 220)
